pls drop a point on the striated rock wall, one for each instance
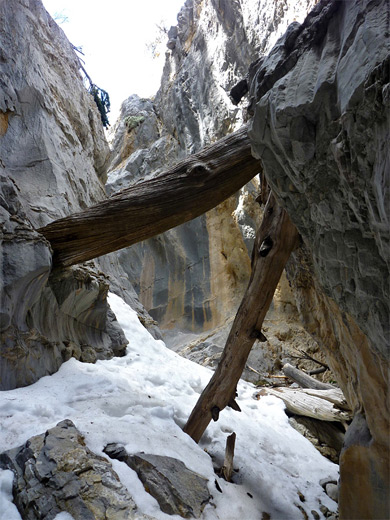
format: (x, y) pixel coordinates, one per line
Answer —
(53, 128)
(192, 278)
(320, 106)
(53, 158)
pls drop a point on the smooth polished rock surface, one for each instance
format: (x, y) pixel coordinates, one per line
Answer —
(53, 158)
(320, 126)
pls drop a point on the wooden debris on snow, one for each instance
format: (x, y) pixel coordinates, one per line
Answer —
(324, 405)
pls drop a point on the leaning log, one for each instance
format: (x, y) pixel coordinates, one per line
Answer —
(275, 240)
(183, 192)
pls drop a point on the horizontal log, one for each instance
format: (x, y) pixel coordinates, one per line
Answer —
(304, 380)
(335, 396)
(317, 406)
(185, 191)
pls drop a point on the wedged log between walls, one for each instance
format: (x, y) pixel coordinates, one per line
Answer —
(275, 240)
(185, 191)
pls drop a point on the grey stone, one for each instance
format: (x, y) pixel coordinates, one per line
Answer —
(56, 472)
(177, 489)
(332, 490)
(55, 317)
(346, 227)
(325, 481)
(57, 169)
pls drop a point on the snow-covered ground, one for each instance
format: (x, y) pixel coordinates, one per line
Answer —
(142, 401)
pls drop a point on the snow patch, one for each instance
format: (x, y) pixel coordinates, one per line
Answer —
(142, 401)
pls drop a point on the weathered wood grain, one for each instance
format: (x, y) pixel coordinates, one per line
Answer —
(334, 395)
(275, 240)
(322, 405)
(227, 468)
(183, 192)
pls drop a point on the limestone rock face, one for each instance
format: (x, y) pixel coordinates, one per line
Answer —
(53, 128)
(53, 158)
(192, 278)
(320, 105)
(56, 472)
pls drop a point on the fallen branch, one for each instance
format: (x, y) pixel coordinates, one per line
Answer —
(304, 380)
(320, 370)
(318, 406)
(253, 370)
(311, 358)
(185, 191)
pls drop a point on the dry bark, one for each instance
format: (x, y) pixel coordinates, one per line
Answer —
(275, 239)
(183, 192)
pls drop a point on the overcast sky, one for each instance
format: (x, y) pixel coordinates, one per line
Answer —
(113, 35)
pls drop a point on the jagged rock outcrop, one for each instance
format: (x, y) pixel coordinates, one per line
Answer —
(320, 106)
(56, 472)
(53, 158)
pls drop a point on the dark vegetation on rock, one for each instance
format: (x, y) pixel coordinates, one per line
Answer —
(102, 100)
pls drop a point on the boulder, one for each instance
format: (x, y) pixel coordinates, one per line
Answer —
(55, 472)
(177, 489)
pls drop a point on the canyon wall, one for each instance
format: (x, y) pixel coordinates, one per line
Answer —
(319, 104)
(320, 107)
(192, 278)
(53, 162)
